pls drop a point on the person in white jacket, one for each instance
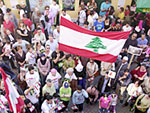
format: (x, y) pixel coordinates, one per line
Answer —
(78, 98)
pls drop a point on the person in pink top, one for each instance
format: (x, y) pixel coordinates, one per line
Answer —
(93, 94)
(104, 104)
(49, 15)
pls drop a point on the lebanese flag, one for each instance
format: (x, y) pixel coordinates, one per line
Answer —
(14, 100)
(103, 46)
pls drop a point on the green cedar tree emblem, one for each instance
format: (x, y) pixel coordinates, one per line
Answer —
(95, 44)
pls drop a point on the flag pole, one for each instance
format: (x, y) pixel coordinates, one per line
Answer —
(130, 61)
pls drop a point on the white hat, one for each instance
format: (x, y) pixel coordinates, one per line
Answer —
(79, 67)
(125, 58)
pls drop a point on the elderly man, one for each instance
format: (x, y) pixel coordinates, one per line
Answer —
(49, 88)
(122, 65)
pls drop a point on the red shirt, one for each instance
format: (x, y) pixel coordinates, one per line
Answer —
(27, 22)
(9, 26)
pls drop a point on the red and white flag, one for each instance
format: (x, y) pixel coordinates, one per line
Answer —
(103, 46)
(15, 101)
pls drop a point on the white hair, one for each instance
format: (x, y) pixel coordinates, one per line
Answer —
(70, 70)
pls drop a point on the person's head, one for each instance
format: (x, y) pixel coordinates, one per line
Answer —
(49, 99)
(137, 83)
(86, 23)
(64, 12)
(19, 48)
(91, 61)
(107, 19)
(82, 2)
(50, 37)
(79, 89)
(21, 24)
(91, 12)
(47, 48)
(143, 36)
(133, 36)
(54, 2)
(143, 67)
(19, 39)
(49, 82)
(18, 7)
(38, 44)
(126, 72)
(66, 84)
(28, 103)
(53, 72)
(47, 8)
(93, 88)
(39, 31)
(31, 69)
(30, 49)
(68, 57)
(125, 59)
(36, 10)
(8, 10)
(127, 24)
(70, 71)
(42, 56)
(6, 18)
(23, 5)
(58, 28)
(127, 7)
(107, 1)
(106, 76)
(121, 9)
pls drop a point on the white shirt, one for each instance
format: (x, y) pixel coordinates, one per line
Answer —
(32, 79)
(95, 16)
(73, 76)
(47, 107)
(54, 9)
(40, 38)
(125, 28)
(54, 79)
(56, 35)
(21, 13)
(82, 16)
(66, 17)
(30, 57)
(53, 45)
(32, 96)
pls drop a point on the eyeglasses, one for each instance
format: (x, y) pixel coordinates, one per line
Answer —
(47, 9)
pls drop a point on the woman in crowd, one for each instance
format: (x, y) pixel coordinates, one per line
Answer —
(142, 103)
(44, 67)
(68, 62)
(20, 57)
(23, 31)
(91, 69)
(139, 73)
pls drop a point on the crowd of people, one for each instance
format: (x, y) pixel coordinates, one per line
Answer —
(50, 80)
